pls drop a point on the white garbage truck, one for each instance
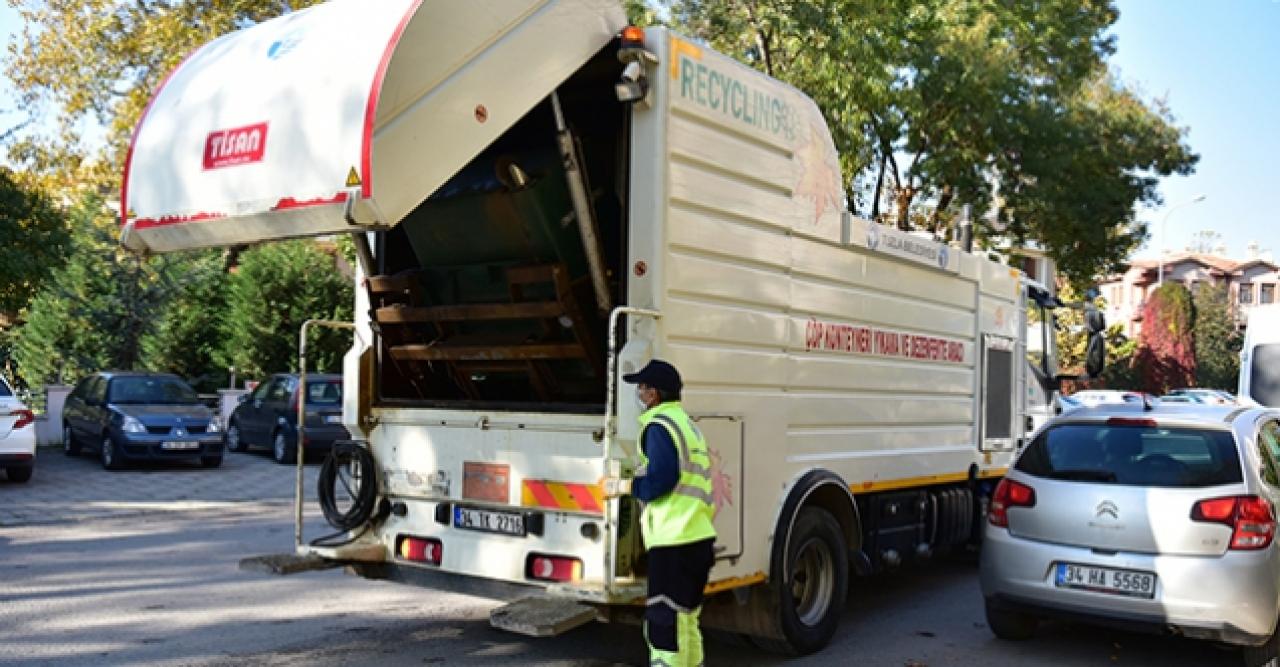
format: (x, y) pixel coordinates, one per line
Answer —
(543, 199)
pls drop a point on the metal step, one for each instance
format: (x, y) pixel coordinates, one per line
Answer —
(541, 616)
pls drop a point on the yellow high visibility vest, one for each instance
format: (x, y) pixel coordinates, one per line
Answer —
(685, 514)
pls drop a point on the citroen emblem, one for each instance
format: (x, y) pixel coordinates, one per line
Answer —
(1109, 508)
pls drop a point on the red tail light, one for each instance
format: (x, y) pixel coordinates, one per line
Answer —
(420, 550)
(1131, 421)
(1009, 494)
(553, 568)
(1250, 517)
(25, 418)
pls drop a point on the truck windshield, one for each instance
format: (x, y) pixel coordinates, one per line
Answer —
(1264, 374)
(1134, 455)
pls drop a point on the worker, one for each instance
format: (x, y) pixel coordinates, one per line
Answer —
(674, 483)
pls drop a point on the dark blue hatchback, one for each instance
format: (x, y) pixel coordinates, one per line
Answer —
(269, 416)
(140, 416)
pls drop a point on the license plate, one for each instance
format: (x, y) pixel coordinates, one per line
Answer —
(333, 419)
(1106, 580)
(504, 523)
(180, 445)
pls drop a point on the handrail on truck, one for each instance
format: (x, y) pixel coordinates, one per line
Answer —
(302, 420)
(610, 431)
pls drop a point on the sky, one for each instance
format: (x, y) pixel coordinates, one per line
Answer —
(1216, 63)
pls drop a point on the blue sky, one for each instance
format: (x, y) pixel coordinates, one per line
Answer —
(1217, 63)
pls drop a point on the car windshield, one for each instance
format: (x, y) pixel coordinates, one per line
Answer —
(1134, 455)
(324, 393)
(151, 391)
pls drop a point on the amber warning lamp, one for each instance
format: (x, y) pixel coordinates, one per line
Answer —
(634, 85)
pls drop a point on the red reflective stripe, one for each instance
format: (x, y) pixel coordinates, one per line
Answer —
(289, 202)
(143, 223)
(371, 108)
(582, 495)
(541, 494)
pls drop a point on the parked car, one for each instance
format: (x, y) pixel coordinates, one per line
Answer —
(128, 416)
(1090, 397)
(268, 417)
(1160, 518)
(1209, 396)
(1180, 398)
(17, 436)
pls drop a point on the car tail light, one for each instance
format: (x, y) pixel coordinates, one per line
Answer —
(553, 568)
(420, 549)
(25, 418)
(1009, 494)
(1250, 517)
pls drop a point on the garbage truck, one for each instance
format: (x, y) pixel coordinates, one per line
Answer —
(542, 199)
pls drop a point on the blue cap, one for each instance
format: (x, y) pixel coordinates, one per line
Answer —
(657, 374)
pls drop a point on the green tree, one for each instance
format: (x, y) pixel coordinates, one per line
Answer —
(935, 103)
(1217, 342)
(186, 337)
(33, 241)
(276, 288)
(95, 63)
(1072, 338)
(1166, 348)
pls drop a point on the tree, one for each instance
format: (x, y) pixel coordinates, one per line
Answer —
(186, 337)
(33, 241)
(96, 63)
(1166, 350)
(1072, 339)
(1205, 242)
(1217, 342)
(276, 288)
(935, 103)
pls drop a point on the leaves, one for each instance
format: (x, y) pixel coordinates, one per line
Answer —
(33, 240)
(1217, 341)
(1166, 349)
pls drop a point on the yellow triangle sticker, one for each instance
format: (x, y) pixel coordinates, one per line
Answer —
(353, 178)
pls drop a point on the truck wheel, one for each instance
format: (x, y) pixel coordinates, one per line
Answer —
(1010, 625)
(110, 453)
(811, 594)
(20, 474)
(281, 450)
(69, 445)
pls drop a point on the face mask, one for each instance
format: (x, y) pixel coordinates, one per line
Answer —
(640, 401)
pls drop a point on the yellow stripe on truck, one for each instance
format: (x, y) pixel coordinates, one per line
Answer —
(926, 480)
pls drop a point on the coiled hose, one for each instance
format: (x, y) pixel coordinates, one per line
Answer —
(348, 469)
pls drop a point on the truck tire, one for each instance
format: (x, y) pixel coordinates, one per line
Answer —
(810, 596)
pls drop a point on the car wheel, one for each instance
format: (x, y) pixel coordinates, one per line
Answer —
(281, 450)
(69, 445)
(811, 595)
(1266, 655)
(234, 442)
(211, 461)
(20, 474)
(1010, 625)
(111, 453)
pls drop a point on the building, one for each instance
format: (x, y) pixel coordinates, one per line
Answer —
(1249, 283)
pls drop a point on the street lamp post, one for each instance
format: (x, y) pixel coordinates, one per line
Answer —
(1164, 227)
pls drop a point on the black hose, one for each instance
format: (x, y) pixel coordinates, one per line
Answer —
(351, 467)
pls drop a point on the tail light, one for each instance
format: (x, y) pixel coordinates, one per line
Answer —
(1132, 421)
(1009, 494)
(419, 549)
(552, 568)
(25, 418)
(1250, 517)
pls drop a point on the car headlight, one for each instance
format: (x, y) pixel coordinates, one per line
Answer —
(132, 425)
(213, 427)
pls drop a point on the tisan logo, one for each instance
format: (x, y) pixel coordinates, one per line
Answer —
(240, 145)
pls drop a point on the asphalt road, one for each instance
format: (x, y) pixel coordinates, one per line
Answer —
(161, 587)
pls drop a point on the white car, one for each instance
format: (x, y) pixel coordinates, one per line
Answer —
(17, 436)
(1093, 397)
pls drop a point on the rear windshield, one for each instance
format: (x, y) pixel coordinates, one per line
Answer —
(1133, 455)
(324, 393)
(1264, 375)
(151, 391)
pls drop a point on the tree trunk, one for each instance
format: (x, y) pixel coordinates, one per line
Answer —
(875, 199)
(903, 198)
(944, 200)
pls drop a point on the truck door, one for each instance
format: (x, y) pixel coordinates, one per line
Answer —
(724, 436)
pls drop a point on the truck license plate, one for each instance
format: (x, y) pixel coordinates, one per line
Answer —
(503, 523)
(179, 445)
(1106, 580)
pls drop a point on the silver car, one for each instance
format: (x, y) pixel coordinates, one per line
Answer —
(1149, 516)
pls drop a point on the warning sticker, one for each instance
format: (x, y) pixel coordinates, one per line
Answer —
(353, 178)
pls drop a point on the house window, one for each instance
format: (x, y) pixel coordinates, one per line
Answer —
(1267, 293)
(1246, 293)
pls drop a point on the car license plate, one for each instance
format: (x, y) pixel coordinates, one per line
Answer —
(333, 419)
(504, 523)
(1106, 580)
(179, 445)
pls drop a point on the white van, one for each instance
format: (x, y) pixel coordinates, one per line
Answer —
(1260, 358)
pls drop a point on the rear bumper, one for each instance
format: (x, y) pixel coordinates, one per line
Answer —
(1231, 598)
(19, 442)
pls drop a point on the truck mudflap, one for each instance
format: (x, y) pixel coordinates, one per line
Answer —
(342, 115)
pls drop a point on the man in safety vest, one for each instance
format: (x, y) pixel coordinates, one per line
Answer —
(674, 482)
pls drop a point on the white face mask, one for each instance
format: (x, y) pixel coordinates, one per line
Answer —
(640, 401)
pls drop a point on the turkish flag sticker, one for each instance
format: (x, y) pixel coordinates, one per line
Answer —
(240, 145)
